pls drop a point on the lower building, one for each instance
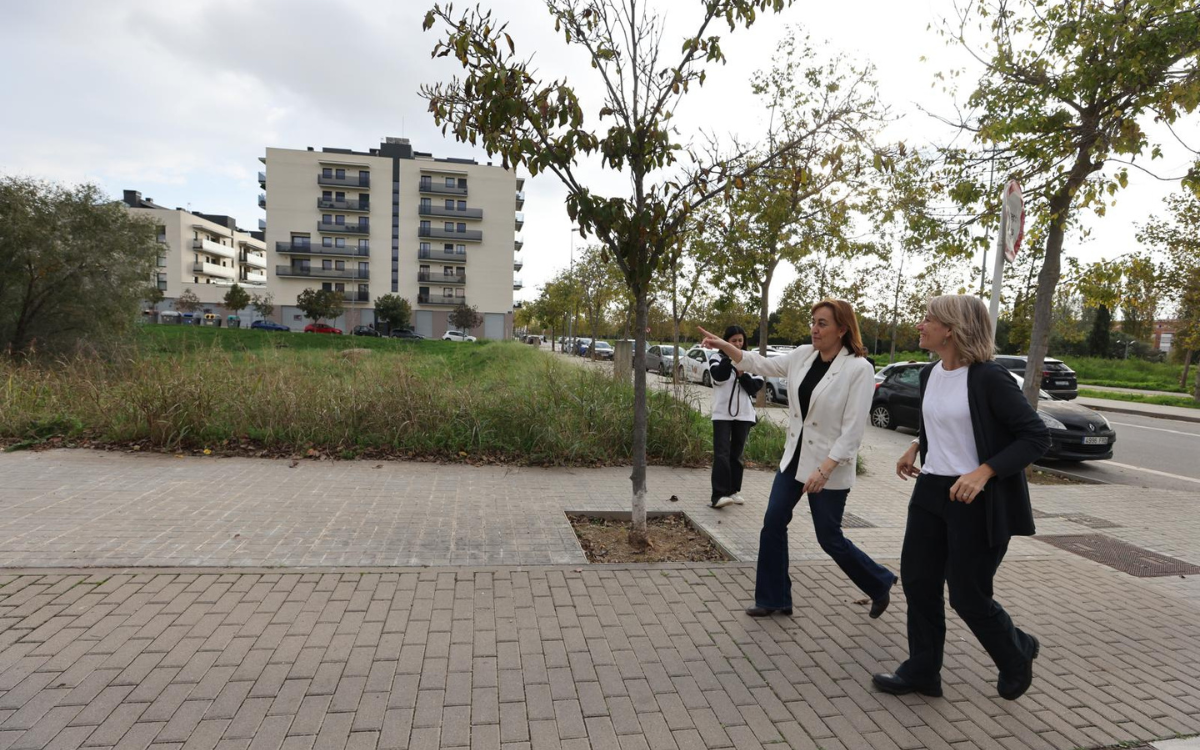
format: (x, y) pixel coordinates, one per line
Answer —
(202, 253)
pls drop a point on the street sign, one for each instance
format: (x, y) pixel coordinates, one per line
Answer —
(1012, 220)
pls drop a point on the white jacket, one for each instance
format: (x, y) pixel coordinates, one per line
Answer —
(837, 411)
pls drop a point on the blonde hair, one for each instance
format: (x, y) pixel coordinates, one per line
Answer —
(967, 318)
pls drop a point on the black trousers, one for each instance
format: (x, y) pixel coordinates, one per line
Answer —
(945, 543)
(729, 440)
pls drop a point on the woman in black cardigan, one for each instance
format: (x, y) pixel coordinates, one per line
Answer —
(977, 435)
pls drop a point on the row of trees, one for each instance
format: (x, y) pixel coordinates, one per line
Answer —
(1063, 92)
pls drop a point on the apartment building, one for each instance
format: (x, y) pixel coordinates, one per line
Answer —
(391, 220)
(206, 253)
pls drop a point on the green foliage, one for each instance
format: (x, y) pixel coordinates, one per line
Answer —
(1098, 341)
(187, 301)
(236, 299)
(464, 317)
(317, 304)
(1178, 238)
(264, 305)
(1126, 373)
(152, 295)
(394, 310)
(73, 264)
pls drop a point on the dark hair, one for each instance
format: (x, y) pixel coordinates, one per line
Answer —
(734, 330)
(843, 317)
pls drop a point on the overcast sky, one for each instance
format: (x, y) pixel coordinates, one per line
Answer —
(179, 99)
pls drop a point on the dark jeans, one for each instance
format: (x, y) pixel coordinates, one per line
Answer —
(773, 586)
(946, 542)
(729, 440)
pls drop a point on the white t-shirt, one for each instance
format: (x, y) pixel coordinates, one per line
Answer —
(947, 416)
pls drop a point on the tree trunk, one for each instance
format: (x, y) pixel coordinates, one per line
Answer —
(638, 537)
(1039, 337)
(1187, 363)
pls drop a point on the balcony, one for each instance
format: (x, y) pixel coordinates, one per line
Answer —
(356, 181)
(441, 278)
(214, 248)
(303, 272)
(520, 183)
(262, 225)
(306, 248)
(256, 278)
(471, 235)
(517, 283)
(332, 228)
(520, 221)
(262, 180)
(262, 200)
(358, 205)
(520, 199)
(518, 264)
(440, 188)
(442, 256)
(450, 213)
(518, 244)
(212, 269)
(433, 299)
(363, 296)
(254, 260)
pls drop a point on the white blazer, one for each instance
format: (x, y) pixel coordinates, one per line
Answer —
(837, 410)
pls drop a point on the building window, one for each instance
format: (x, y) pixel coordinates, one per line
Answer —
(326, 195)
(460, 292)
(339, 287)
(449, 226)
(425, 225)
(327, 265)
(327, 242)
(339, 242)
(448, 248)
(449, 204)
(461, 249)
(340, 174)
(340, 219)
(363, 177)
(339, 196)
(462, 182)
(363, 222)
(447, 271)
(327, 172)
(364, 245)
(424, 247)
(449, 182)
(462, 205)
(447, 291)
(327, 286)
(462, 228)
(364, 269)
(299, 241)
(326, 218)
(340, 265)
(162, 261)
(426, 205)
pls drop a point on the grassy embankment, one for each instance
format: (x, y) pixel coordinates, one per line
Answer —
(1127, 373)
(1138, 398)
(240, 391)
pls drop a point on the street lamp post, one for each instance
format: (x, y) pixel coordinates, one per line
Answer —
(571, 273)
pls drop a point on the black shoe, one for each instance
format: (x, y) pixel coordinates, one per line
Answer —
(1014, 687)
(897, 685)
(768, 611)
(880, 605)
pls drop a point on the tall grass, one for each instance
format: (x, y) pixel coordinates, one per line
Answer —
(501, 401)
(1127, 373)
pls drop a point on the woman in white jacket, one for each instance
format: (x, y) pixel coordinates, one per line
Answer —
(732, 417)
(829, 390)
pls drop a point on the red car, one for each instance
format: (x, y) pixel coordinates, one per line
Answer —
(321, 328)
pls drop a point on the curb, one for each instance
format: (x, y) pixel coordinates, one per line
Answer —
(1069, 475)
(1152, 415)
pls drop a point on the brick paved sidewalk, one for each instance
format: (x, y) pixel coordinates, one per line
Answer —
(557, 657)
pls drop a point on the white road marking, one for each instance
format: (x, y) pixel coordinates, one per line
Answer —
(1159, 429)
(1152, 471)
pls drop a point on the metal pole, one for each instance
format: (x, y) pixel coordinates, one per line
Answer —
(571, 325)
(998, 276)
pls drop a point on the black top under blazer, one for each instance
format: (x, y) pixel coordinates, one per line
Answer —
(1009, 435)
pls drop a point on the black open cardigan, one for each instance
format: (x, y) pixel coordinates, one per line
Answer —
(1009, 435)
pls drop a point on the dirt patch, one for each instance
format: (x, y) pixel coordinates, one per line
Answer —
(1041, 477)
(673, 539)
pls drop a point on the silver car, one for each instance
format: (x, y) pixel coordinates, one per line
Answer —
(776, 388)
(659, 359)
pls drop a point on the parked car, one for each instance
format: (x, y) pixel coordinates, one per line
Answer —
(580, 346)
(693, 366)
(406, 333)
(1058, 379)
(604, 350)
(321, 328)
(776, 388)
(661, 359)
(456, 336)
(879, 376)
(1076, 432)
(269, 325)
(365, 331)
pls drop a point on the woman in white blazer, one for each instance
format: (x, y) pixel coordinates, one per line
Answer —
(829, 389)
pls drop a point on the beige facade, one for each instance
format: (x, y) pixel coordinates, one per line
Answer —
(204, 253)
(437, 232)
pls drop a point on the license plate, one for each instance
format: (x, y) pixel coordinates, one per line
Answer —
(1096, 440)
(1063, 383)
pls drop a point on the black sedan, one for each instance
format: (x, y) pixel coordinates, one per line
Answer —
(365, 331)
(406, 333)
(1076, 432)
